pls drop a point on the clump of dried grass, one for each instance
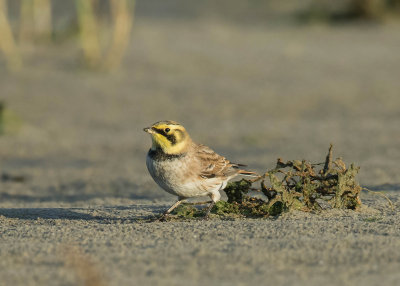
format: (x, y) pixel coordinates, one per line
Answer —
(291, 185)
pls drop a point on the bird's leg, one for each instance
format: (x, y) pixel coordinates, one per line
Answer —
(215, 196)
(209, 208)
(198, 203)
(168, 211)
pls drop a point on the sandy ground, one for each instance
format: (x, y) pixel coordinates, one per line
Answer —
(336, 248)
(253, 93)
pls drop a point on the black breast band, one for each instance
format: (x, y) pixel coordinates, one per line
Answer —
(158, 154)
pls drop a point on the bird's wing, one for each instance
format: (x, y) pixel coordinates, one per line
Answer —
(213, 165)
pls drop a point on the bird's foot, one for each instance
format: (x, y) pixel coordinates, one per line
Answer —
(206, 217)
(163, 217)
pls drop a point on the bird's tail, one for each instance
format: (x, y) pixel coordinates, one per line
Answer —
(248, 173)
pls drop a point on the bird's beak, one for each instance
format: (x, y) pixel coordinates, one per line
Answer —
(148, 130)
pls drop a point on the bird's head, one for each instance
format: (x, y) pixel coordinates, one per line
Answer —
(169, 136)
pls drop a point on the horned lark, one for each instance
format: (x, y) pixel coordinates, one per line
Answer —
(187, 169)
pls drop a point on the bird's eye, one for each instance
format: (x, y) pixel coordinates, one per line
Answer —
(167, 130)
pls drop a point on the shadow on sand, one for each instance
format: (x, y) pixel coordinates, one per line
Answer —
(384, 187)
(104, 215)
(70, 198)
(46, 213)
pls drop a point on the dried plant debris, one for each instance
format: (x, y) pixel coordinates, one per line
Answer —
(10, 122)
(302, 185)
(291, 185)
(7, 177)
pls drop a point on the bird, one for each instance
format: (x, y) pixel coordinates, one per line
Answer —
(186, 169)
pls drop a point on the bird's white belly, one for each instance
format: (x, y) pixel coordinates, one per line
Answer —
(171, 175)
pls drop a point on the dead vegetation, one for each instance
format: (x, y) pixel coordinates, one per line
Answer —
(291, 185)
(36, 27)
(350, 10)
(10, 122)
(87, 272)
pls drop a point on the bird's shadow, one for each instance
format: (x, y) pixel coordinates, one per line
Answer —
(105, 215)
(46, 213)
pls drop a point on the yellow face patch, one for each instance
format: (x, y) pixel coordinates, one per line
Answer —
(171, 138)
(160, 141)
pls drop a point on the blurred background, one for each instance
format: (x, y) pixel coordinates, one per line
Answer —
(255, 80)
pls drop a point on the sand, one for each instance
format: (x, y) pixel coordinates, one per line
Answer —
(336, 248)
(253, 93)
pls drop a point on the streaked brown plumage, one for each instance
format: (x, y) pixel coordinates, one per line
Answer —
(185, 168)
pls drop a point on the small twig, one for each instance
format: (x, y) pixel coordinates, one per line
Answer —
(328, 160)
(327, 178)
(381, 194)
